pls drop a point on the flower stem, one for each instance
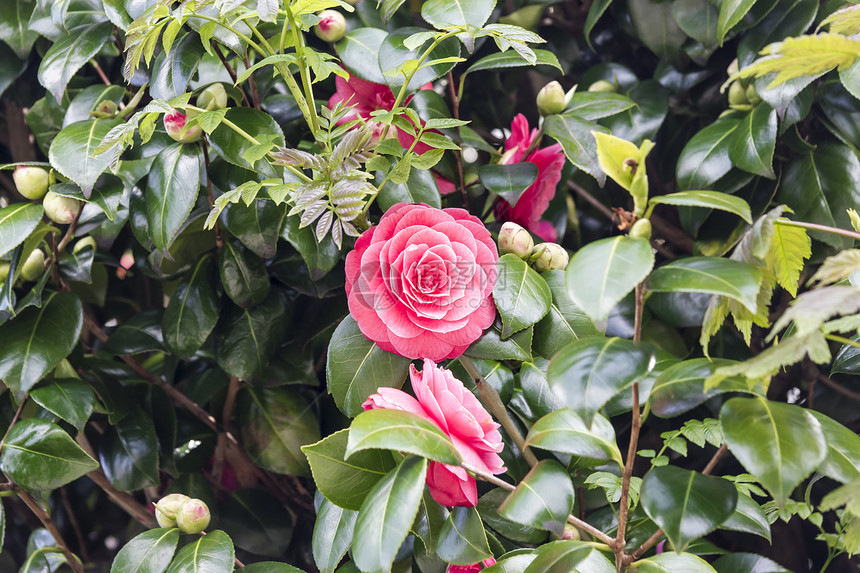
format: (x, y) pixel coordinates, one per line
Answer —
(304, 74)
(842, 339)
(490, 398)
(816, 227)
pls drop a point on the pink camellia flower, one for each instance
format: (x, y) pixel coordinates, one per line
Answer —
(473, 568)
(535, 200)
(444, 400)
(420, 283)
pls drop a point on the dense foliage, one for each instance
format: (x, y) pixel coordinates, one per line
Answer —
(277, 258)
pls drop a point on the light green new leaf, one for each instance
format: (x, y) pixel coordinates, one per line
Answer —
(707, 200)
(789, 247)
(400, 431)
(17, 221)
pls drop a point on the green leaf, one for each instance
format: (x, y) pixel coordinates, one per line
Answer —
(257, 226)
(488, 506)
(36, 340)
(747, 562)
(752, 144)
(357, 367)
(586, 374)
(231, 146)
(705, 157)
(511, 59)
(521, 295)
(508, 181)
(269, 567)
(561, 557)
(543, 499)
(70, 399)
(15, 30)
(707, 200)
(491, 346)
(171, 192)
(39, 456)
(602, 273)
(789, 247)
(681, 387)
(386, 515)
(565, 321)
(400, 431)
(320, 257)
(149, 552)
(577, 141)
(69, 53)
(673, 563)
(393, 54)
(734, 279)
(748, 518)
(420, 187)
(346, 483)
(243, 275)
(780, 444)
(140, 333)
(212, 552)
(591, 106)
(698, 19)
(462, 539)
(333, 532)
(13, 68)
(643, 121)
(686, 504)
(128, 452)
(443, 13)
(172, 70)
(564, 431)
(72, 150)
(731, 13)
(247, 338)
(595, 11)
(274, 424)
(17, 221)
(193, 309)
(842, 461)
(656, 27)
(256, 521)
(359, 52)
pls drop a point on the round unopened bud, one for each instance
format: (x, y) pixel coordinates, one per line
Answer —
(602, 86)
(553, 258)
(550, 99)
(752, 95)
(4, 270)
(515, 239)
(59, 209)
(193, 516)
(31, 182)
(33, 266)
(641, 229)
(737, 94)
(212, 98)
(86, 242)
(174, 122)
(167, 508)
(332, 26)
(105, 110)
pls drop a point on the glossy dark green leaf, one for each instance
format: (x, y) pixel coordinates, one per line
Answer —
(533, 382)
(698, 19)
(508, 181)
(77, 266)
(140, 333)
(488, 506)
(70, 399)
(17, 221)
(752, 144)
(462, 539)
(212, 552)
(343, 482)
(171, 192)
(847, 360)
(707, 200)
(586, 374)
(645, 119)
(356, 367)
(670, 562)
(14, 28)
(603, 272)
(193, 309)
(511, 59)
(705, 157)
(257, 226)
(780, 444)
(565, 321)
(392, 54)
(543, 499)
(420, 187)
(247, 338)
(269, 567)
(748, 518)
(243, 275)
(686, 504)
(39, 456)
(256, 522)
(560, 557)
(333, 532)
(491, 346)
(359, 52)
(274, 424)
(842, 461)
(231, 146)
(149, 552)
(681, 387)
(69, 53)
(564, 431)
(591, 106)
(37, 339)
(521, 295)
(320, 258)
(747, 563)
(129, 452)
(731, 13)
(656, 27)
(578, 143)
(386, 515)
(11, 70)
(172, 70)
(713, 275)
(400, 431)
(72, 150)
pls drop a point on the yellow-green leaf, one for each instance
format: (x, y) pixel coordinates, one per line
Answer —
(789, 247)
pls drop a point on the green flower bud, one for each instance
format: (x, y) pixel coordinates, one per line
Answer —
(193, 516)
(603, 86)
(332, 26)
(752, 95)
(553, 258)
(174, 122)
(167, 508)
(31, 182)
(641, 229)
(212, 98)
(33, 266)
(105, 110)
(733, 68)
(737, 95)
(515, 239)
(550, 99)
(59, 209)
(83, 244)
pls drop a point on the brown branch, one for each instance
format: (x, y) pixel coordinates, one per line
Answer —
(255, 96)
(82, 544)
(46, 520)
(14, 420)
(20, 146)
(232, 74)
(99, 71)
(838, 387)
(591, 200)
(70, 233)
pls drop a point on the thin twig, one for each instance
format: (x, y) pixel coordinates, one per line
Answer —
(14, 420)
(46, 520)
(218, 241)
(816, 227)
(99, 71)
(458, 154)
(715, 459)
(493, 403)
(232, 73)
(70, 233)
(255, 96)
(591, 200)
(82, 545)
(838, 387)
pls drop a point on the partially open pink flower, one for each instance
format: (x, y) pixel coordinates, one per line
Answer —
(444, 400)
(420, 283)
(535, 200)
(473, 568)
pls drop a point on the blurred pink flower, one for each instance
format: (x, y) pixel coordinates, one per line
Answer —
(444, 400)
(535, 200)
(473, 568)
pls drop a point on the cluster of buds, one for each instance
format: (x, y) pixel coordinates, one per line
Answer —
(552, 99)
(33, 182)
(516, 240)
(741, 97)
(189, 514)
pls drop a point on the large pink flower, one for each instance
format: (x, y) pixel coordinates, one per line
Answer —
(444, 400)
(535, 200)
(419, 283)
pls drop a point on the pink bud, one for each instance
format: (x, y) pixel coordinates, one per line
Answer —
(332, 26)
(166, 508)
(174, 122)
(193, 516)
